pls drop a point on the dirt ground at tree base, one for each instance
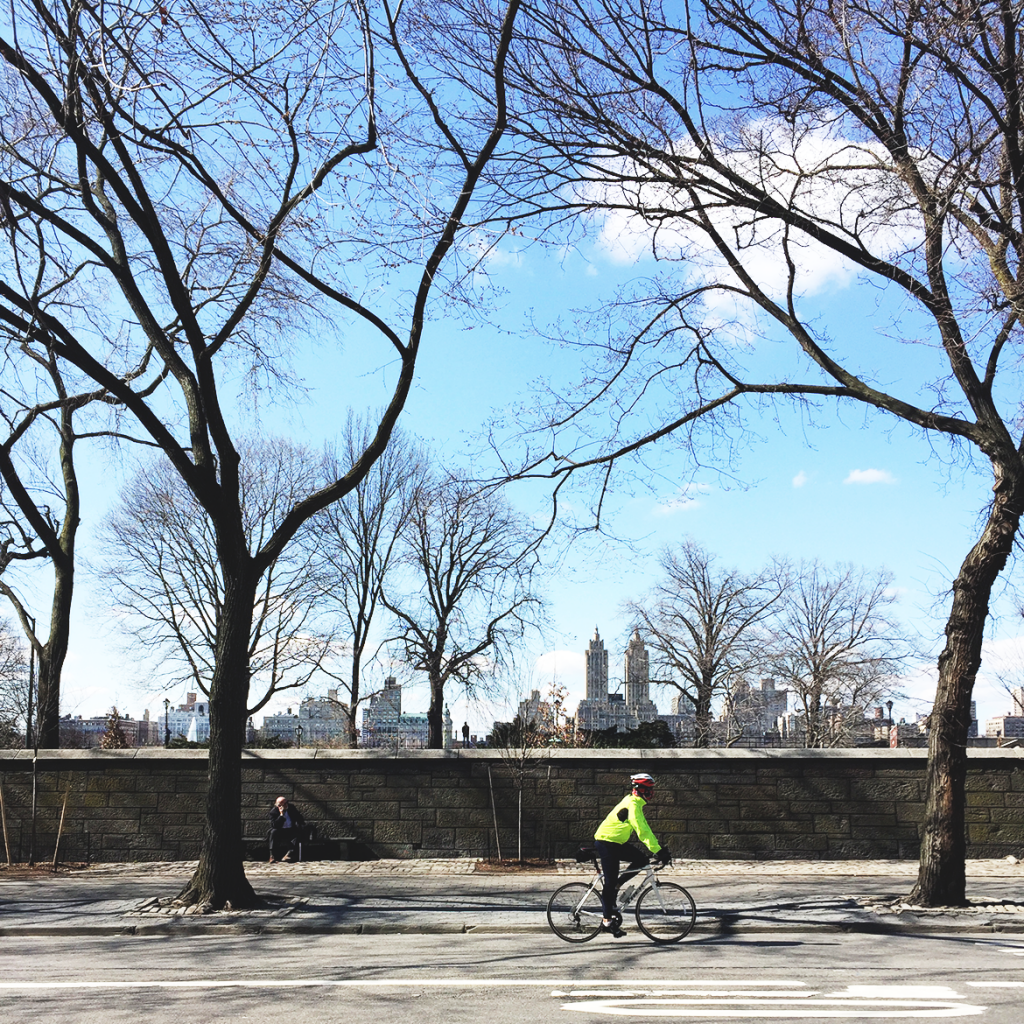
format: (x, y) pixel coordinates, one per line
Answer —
(538, 864)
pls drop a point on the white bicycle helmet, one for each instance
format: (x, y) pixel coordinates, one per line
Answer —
(642, 781)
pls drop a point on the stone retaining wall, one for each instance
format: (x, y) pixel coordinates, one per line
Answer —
(147, 804)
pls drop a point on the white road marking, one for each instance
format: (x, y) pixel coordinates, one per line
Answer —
(816, 1008)
(726, 1001)
(1012, 950)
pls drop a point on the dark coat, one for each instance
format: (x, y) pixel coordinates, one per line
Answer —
(276, 817)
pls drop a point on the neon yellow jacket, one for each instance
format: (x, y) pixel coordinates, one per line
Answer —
(627, 816)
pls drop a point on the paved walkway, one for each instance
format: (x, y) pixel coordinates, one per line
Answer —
(465, 896)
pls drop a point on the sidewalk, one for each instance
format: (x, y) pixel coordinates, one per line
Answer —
(465, 897)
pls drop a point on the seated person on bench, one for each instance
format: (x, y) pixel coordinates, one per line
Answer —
(288, 828)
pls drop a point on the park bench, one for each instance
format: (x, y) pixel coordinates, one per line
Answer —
(256, 841)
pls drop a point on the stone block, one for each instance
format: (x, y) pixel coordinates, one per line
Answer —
(763, 809)
(854, 849)
(910, 812)
(985, 798)
(410, 812)
(865, 821)
(986, 782)
(801, 843)
(802, 808)
(450, 797)
(1006, 815)
(832, 824)
(397, 832)
(115, 782)
(183, 834)
(850, 807)
(813, 789)
(133, 799)
(994, 833)
(739, 789)
(438, 839)
(449, 817)
(747, 843)
(892, 789)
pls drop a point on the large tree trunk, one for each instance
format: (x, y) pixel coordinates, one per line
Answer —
(941, 879)
(702, 718)
(53, 654)
(219, 878)
(435, 713)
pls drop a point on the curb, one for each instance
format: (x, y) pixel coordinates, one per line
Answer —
(706, 928)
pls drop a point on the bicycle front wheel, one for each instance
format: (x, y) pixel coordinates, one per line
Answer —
(665, 912)
(575, 912)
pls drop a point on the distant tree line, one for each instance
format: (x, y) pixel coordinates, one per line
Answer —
(827, 634)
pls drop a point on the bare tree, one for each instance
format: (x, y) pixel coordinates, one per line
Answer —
(702, 625)
(758, 152)
(836, 645)
(220, 184)
(357, 538)
(467, 595)
(162, 569)
(15, 697)
(40, 507)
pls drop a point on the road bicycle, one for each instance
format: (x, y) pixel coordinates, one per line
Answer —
(665, 911)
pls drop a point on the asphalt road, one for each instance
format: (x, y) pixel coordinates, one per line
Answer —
(509, 979)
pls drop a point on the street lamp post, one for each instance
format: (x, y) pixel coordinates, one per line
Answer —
(167, 722)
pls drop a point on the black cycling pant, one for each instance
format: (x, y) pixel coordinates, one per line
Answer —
(609, 856)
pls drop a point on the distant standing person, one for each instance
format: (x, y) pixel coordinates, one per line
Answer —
(287, 828)
(611, 842)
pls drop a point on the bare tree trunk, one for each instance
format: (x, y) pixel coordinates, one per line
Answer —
(53, 653)
(435, 713)
(702, 717)
(941, 879)
(219, 877)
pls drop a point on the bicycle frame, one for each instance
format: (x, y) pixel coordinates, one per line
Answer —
(650, 877)
(665, 912)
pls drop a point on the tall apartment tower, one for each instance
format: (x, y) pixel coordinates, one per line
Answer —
(638, 674)
(597, 669)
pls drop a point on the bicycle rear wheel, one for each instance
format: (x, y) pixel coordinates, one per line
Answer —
(665, 912)
(575, 912)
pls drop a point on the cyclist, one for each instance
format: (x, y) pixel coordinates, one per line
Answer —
(611, 842)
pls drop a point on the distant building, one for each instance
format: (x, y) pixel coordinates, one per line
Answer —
(179, 720)
(1017, 696)
(282, 727)
(601, 710)
(322, 721)
(1005, 727)
(386, 725)
(79, 732)
(753, 713)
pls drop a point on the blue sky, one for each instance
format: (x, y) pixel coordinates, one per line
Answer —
(848, 489)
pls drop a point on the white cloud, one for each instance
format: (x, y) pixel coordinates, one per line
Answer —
(686, 498)
(800, 479)
(844, 183)
(870, 476)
